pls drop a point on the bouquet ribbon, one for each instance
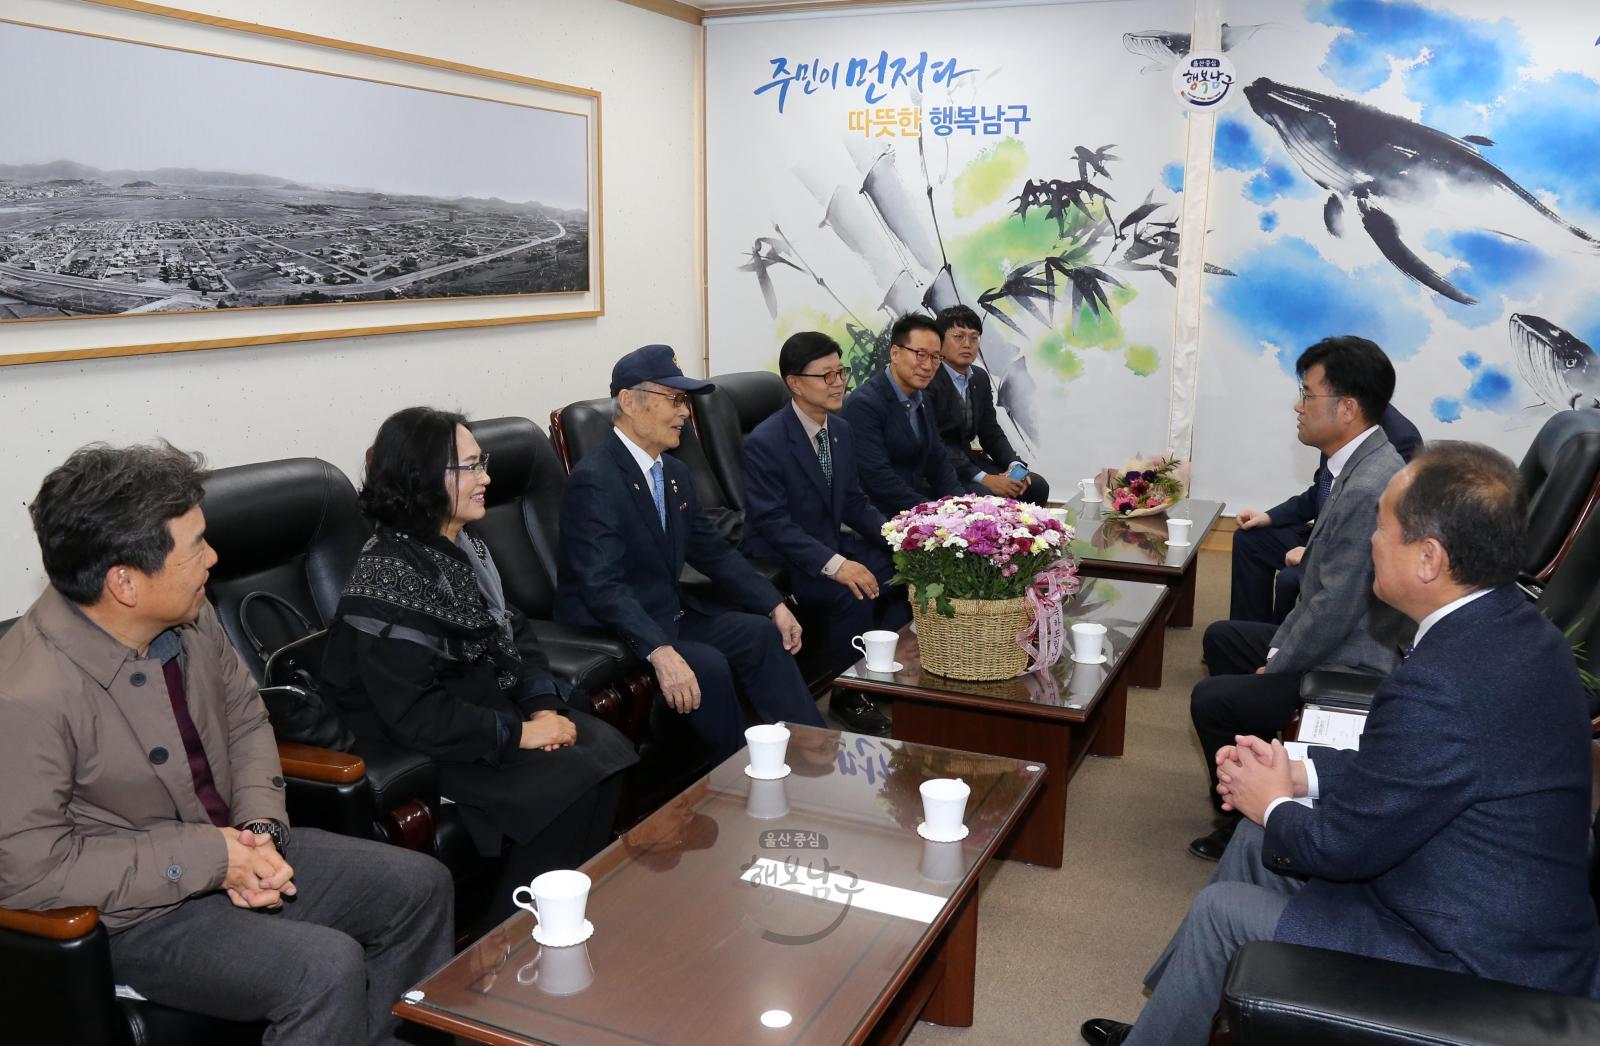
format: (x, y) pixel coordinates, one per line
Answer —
(1045, 637)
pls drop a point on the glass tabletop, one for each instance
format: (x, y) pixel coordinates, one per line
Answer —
(1142, 540)
(1067, 689)
(747, 911)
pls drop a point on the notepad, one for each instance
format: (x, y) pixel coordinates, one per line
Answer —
(1328, 727)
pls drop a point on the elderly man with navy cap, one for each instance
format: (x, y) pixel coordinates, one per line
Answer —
(629, 522)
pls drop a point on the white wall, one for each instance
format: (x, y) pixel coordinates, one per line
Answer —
(327, 398)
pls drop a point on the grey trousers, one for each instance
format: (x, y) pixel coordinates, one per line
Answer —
(369, 921)
(1242, 903)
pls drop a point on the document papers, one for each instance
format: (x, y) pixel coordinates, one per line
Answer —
(1328, 727)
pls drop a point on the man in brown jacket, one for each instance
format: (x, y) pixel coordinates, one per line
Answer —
(138, 774)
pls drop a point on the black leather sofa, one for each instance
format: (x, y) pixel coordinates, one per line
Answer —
(1561, 472)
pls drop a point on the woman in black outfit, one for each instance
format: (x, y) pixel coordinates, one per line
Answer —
(424, 653)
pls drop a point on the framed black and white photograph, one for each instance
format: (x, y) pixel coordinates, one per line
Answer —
(198, 183)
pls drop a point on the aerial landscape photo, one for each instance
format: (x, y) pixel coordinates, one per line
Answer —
(271, 186)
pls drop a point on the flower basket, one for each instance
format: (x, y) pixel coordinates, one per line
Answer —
(987, 579)
(979, 641)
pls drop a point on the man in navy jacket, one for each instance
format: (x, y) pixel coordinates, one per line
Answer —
(1268, 546)
(629, 522)
(800, 489)
(901, 459)
(1457, 837)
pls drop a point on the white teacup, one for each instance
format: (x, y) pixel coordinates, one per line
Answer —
(1090, 491)
(768, 744)
(1088, 641)
(878, 645)
(768, 800)
(944, 804)
(1178, 531)
(557, 900)
(942, 862)
(559, 971)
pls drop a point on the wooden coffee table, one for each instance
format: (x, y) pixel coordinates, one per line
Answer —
(1055, 717)
(805, 910)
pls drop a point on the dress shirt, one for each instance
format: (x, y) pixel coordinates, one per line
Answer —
(960, 379)
(644, 461)
(1336, 463)
(1312, 792)
(912, 403)
(812, 430)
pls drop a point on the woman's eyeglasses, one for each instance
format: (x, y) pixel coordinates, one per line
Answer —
(477, 468)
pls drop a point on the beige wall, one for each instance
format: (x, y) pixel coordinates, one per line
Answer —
(326, 398)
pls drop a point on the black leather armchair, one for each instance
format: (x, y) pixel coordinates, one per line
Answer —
(1561, 471)
(724, 416)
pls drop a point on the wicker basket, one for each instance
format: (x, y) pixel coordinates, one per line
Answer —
(980, 642)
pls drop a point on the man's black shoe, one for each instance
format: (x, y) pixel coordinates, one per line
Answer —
(859, 714)
(1210, 847)
(1102, 1031)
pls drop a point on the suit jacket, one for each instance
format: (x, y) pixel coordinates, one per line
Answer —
(1337, 622)
(898, 468)
(1457, 837)
(619, 571)
(99, 806)
(792, 514)
(1302, 508)
(957, 433)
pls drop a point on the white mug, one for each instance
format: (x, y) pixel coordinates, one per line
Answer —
(878, 645)
(944, 804)
(1090, 491)
(1088, 641)
(558, 971)
(557, 900)
(768, 800)
(768, 744)
(1178, 531)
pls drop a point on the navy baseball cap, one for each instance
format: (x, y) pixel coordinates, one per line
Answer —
(657, 363)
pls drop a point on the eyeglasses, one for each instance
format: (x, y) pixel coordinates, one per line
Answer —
(922, 357)
(1307, 394)
(962, 337)
(829, 377)
(679, 399)
(477, 468)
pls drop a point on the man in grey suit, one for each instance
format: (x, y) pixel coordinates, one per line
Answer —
(1337, 623)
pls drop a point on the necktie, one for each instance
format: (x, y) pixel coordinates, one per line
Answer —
(1324, 487)
(825, 456)
(205, 786)
(659, 493)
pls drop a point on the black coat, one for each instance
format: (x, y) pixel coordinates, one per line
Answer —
(957, 430)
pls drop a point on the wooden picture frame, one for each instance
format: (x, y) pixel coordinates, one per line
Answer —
(497, 244)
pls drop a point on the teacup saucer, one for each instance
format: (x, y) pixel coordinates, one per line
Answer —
(895, 667)
(749, 771)
(1090, 661)
(578, 938)
(934, 837)
(1179, 544)
(1094, 501)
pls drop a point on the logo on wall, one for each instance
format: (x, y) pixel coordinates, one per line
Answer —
(1204, 79)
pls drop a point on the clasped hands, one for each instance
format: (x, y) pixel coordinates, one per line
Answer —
(257, 876)
(548, 730)
(1251, 773)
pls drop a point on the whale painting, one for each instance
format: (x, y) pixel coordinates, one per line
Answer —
(1380, 161)
(1560, 367)
(1165, 46)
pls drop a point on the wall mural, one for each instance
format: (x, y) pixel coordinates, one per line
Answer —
(911, 162)
(1419, 173)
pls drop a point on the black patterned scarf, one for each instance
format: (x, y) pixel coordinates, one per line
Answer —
(425, 590)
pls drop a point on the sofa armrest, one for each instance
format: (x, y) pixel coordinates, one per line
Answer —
(1339, 689)
(55, 924)
(1278, 993)
(320, 764)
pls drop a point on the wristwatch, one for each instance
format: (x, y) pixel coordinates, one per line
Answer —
(279, 833)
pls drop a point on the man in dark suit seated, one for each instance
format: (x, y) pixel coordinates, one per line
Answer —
(1345, 384)
(1268, 546)
(139, 775)
(898, 453)
(800, 488)
(1457, 837)
(629, 522)
(962, 397)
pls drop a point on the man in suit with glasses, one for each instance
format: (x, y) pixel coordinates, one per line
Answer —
(898, 450)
